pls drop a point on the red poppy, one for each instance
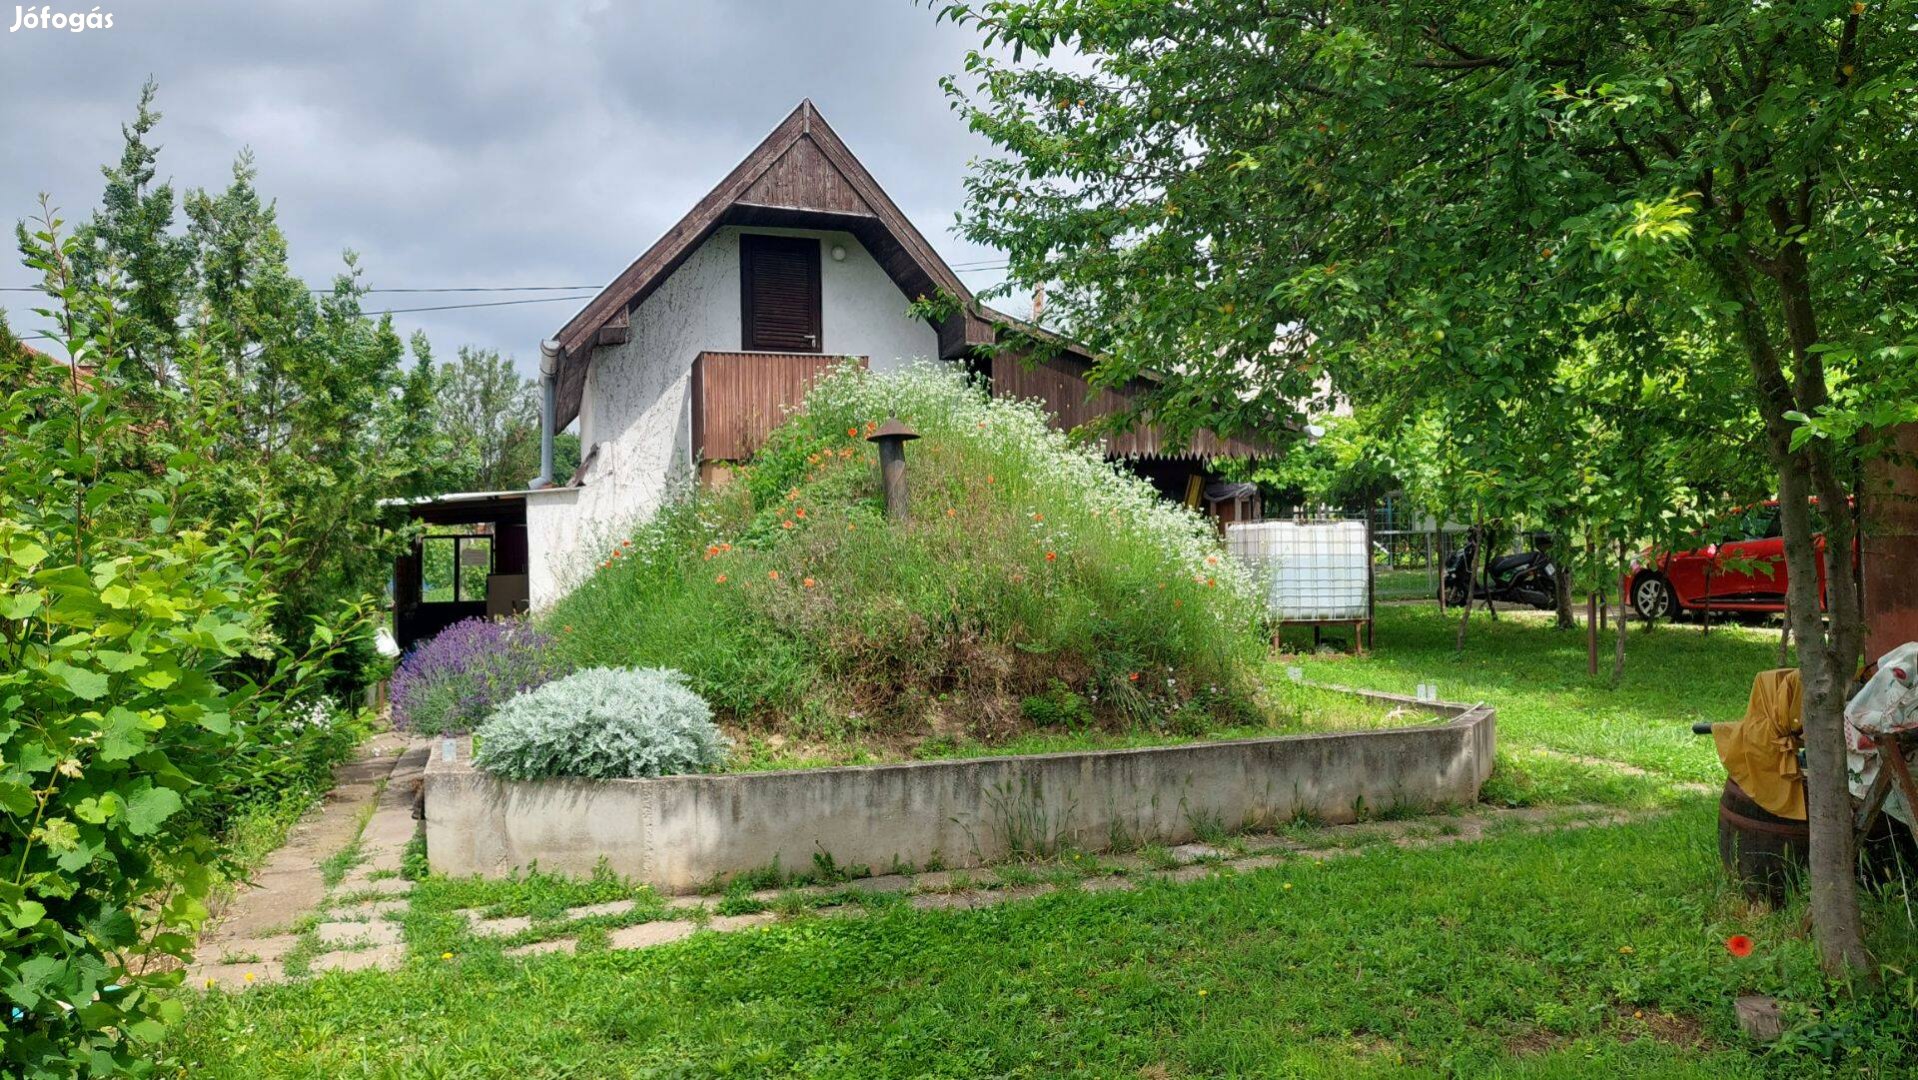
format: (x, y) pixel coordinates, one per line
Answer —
(808, 583)
(720, 580)
(1738, 945)
(801, 512)
(772, 575)
(1052, 556)
(1134, 677)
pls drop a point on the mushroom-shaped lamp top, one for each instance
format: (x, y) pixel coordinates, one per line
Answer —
(892, 429)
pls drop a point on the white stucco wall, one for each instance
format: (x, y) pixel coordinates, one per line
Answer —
(636, 409)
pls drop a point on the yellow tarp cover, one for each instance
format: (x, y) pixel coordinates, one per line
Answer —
(1760, 752)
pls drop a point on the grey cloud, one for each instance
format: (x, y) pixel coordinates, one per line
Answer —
(482, 144)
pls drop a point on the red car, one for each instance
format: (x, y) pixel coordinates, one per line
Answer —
(1745, 572)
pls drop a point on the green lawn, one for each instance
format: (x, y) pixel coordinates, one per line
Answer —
(1535, 676)
(1586, 952)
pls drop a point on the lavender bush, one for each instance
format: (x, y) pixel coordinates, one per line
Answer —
(453, 681)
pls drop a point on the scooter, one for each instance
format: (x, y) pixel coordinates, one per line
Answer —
(1526, 578)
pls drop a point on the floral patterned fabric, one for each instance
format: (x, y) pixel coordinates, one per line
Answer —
(1887, 705)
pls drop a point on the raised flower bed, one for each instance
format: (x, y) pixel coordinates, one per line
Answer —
(679, 833)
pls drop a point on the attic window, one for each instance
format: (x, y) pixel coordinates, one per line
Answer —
(779, 293)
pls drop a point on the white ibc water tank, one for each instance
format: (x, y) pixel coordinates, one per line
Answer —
(1310, 571)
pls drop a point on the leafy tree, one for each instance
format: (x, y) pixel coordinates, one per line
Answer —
(310, 413)
(1441, 203)
(141, 687)
(489, 415)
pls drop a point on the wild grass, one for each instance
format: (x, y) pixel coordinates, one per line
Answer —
(1028, 567)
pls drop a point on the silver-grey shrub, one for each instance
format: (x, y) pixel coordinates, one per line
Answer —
(602, 723)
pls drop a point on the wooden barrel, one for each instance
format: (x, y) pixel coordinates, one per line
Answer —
(1763, 852)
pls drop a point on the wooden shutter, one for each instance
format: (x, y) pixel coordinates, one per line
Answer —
(779, 293)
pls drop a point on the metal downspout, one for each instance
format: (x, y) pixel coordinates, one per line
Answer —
(548, 409)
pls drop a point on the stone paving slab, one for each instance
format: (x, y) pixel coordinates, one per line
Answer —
(345, 933)
(364, 910)
(884, 883)
(232, 976)
(384, 957)
(506, 927)
(290, 883)
(1195, 852)
(643, 935)
(265, 950)
(377, 887)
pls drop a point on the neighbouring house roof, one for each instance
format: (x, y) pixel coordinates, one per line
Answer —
(803, 176)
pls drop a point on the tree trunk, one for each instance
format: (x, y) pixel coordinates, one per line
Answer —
(1826, 661)
(1563, 586)
(1465, 609)
(1621, 623)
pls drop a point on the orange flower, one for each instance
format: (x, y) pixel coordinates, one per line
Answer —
(725, 547)
(720, 580)
(793, 495)
(801, 512)
(786, 524)
(1738, 945)
(712, 551)
(1052, 556)
(1134, 677)
(772, 575)
(982, 425)
(808, 583)
(1209, 583)
(988, 478)
(567, 629)
(1212, 560)
(872, 426)
(852, 433)
(950, 512)
(850, 526)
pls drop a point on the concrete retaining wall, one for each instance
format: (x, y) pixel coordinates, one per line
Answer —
(679, 832)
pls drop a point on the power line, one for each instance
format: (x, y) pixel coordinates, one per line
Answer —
(450, 289)
(490, 303)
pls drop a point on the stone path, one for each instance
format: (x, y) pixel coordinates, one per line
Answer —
(288, 920)
(987, 886)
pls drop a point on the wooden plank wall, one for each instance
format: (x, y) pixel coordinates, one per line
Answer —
(739, 397)
(1060, 383)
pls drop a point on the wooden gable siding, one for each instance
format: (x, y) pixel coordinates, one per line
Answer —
(1059, 384)
(739, 397)
(804, 179)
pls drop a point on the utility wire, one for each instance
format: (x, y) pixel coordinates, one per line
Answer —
(457, 289)
(490, 303)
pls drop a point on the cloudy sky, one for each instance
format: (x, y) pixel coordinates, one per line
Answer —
(481, 144)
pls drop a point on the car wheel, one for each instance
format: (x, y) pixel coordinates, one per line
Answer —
(1652, 597)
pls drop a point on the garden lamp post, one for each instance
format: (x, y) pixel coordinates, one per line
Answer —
(892, 437)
